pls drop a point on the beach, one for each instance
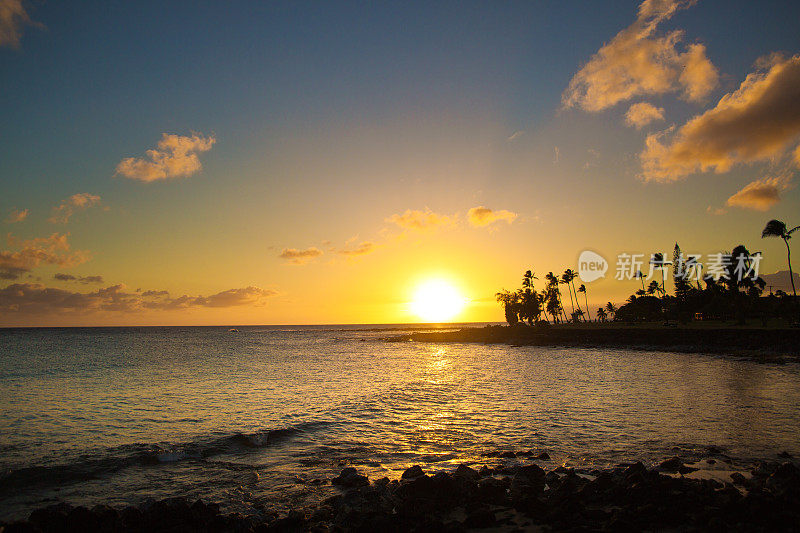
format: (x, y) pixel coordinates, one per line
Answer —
(518, 496)
(769, 344)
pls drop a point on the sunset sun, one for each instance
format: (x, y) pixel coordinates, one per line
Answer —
(437, 301)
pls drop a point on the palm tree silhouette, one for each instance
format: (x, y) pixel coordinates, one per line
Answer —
(658, 259)
(776, 228)
(601, 314)
(611, 308)
(582, 289)
(640, 276)
(566, 279)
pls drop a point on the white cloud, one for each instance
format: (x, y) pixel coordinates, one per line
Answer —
(483, 216)
(758, 121)
(422, 221)
(639, 62)
(63, 211)
(175, 157)
(299, 257)
(642, 114)
(13, 18)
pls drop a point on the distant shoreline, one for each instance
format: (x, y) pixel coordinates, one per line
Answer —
(757, 343)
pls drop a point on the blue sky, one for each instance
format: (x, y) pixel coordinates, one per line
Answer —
(330, 119)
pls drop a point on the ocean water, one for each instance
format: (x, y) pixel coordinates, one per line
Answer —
(258, 419)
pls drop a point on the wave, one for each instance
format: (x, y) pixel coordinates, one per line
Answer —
(98, 464)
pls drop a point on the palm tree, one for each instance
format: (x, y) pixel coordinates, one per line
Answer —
(566, 278)
(554, 296)
(640, 276)
(611, 308)
(776, 228)
(658, 259)
(653, 288)
(510, 302)
(601, 314)
(582, 289)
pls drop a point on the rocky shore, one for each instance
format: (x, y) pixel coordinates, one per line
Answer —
(752, 342)
(515, 497)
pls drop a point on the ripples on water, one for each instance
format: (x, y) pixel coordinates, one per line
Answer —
(255, 418)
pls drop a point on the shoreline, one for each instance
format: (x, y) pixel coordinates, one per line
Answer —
(519, 496)
(771, 345)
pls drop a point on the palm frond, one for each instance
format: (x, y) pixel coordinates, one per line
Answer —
(774, 228)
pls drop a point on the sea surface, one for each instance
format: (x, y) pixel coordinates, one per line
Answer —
(260, 419)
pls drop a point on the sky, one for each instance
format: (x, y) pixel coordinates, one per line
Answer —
(200, 163)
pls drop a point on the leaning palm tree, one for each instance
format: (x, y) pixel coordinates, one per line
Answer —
(582, 289)
(776, 228)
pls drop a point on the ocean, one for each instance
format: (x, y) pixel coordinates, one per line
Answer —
(260, 419)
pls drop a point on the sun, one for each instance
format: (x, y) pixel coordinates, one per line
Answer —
(437, 301)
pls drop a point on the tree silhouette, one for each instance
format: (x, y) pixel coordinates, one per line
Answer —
(776, 228)
(582, 289)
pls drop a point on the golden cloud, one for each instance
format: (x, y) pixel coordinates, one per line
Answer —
(16, 215)
(423, 221)
(299, 257)
(13, 18)
(29, 254)
(638, 62)
(483, 216)
(362, 249)
(758, 121)
(175, 157)
(60, 276)
(36, 299)
(642, 114)
(760, 195)
(63, 211)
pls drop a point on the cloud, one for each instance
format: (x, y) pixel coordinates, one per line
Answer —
(299, 257)
(34, 299)
(758, 121)
(13, 18)
(16, 215)
(639, 62)
(716, 210)
(175, 157)
(760, 195)
(422, 221)
(516, 135)
(642, 114)
(483, 216)
(77, 202)
(24, 256)
(362, 249)
(80, 279)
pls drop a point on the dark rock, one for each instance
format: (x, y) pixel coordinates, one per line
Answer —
(463, 472)
(683, 469)
(381, 483)
(485, 471)
(350, 478)
(785, 455)
(785, 480)
(480, 518)
(671, 465)
(492, 490)
(413, 472)
(738, 478)
(508, 455)
(713, 450)
(544, 456)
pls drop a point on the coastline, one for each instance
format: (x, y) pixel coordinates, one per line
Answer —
(757, 343)
(517, 496)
